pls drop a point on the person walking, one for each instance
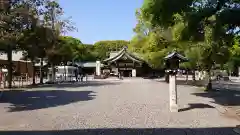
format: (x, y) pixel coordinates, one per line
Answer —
(86, 75)
(120, 75)
(81, 77)
(1, 78)
(76, 74)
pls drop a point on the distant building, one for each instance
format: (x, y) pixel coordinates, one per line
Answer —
(87, 67)
(19, 66)
(126, 63)
(4, 4)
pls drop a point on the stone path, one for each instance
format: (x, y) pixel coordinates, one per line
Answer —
(129, 106)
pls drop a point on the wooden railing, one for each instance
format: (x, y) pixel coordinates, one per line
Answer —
(17, 80)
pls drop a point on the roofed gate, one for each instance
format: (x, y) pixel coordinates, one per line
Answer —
(126, 63)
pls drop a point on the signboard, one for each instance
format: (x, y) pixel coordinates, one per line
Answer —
(125, 68)
(125, 64)
(134, 74)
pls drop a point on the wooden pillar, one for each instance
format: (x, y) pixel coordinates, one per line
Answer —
(117, 67)
(134, 70)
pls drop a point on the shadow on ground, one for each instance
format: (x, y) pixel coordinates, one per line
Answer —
(184, 82)
(195, 106)
(21, 100)
(191, 83)
(74, 84)
(222, 97)
(230, 99)
(131, 131)
(217, 85)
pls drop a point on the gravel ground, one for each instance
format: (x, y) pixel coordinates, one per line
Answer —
(129, 106)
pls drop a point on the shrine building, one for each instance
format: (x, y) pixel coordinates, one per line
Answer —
(126, 63)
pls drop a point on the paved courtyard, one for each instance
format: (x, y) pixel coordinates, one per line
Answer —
(129, 106)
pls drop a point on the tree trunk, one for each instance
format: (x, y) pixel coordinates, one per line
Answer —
(186, 75)
(27, 72)
(194, 76)
(9, 66)
(228, 72)
(41, 70)
(65, 72)
(209, 86)
(235, 71)
(53, 73)
(167, 77)
(34, 74)
(238, 72)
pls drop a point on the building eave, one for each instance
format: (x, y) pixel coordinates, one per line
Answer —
(122, 53)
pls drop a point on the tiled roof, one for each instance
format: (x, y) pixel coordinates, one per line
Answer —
(175, 54)
(115, 56)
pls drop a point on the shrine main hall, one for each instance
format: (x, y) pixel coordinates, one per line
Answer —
(126, 63)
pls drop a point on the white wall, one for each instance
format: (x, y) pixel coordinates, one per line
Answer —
(239, 71)
(16, 56)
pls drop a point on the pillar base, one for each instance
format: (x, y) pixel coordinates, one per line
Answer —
(173, 108)
(237, 129)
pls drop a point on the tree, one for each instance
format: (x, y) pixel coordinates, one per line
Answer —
(205, 21)
(155, 49)
(193, 54)
(53, 18)
(142, 27)
(33, 26)
(154, 43)
(234, 61)
(35, 37)
(85, 52)
(14, 16)
(67, 48)
(103, 48)
(34, 42)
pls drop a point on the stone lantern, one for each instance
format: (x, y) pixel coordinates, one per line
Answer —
(172, 64)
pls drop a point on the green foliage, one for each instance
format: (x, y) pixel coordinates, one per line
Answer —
(153, 48)
(103, 48)
(13, 19)
(161, 12)
(193, 53)
(234, 61)
(143, 27)
(158, 42)
(86, 52)
(33, 26)
(17, 17)
(202, 30)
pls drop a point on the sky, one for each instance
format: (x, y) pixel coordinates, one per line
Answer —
(97, 20)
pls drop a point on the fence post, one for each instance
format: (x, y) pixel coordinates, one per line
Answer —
(26, 76)
(19, 81)
(22, 80)
(1, 83)
(4, 80)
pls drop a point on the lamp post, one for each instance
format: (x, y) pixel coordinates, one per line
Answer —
(172, 62)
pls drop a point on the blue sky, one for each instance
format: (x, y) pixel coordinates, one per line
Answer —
(102, 19)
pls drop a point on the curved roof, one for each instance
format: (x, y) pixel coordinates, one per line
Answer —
(176, 55)
(121, 54)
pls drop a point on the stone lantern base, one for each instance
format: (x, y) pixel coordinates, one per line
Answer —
(237, 129)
